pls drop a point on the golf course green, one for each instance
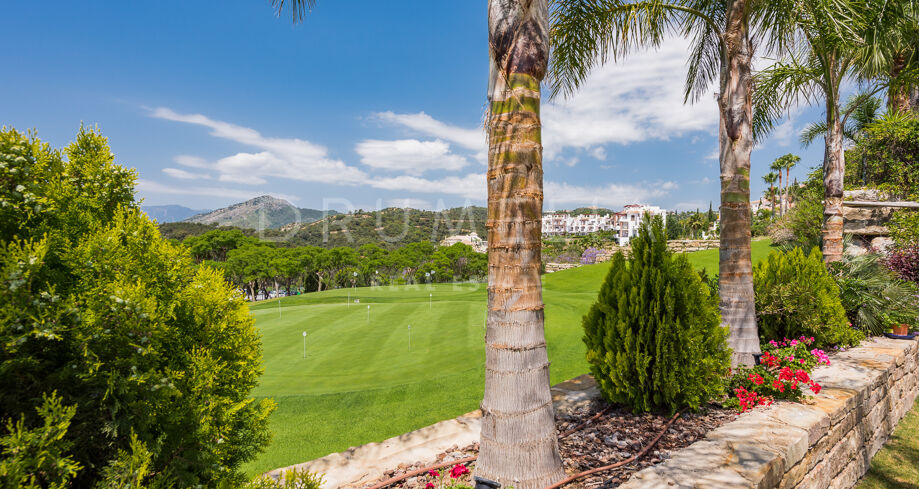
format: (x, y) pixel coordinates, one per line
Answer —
(362, 381)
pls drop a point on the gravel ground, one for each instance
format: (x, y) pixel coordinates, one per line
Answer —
(615, 436)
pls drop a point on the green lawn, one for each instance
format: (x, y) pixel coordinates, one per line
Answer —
(360, 382)
(896, 466)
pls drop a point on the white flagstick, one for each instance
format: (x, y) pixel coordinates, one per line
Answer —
(368, 312)
(304, 344)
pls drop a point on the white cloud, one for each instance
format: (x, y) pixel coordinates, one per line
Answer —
(151, 187)
(289, 158)
(409, 203)
(185, 175)
(637, 99)
(473, 139)
(558, 194)
(409, 155)
(599, 153)
(471, 186)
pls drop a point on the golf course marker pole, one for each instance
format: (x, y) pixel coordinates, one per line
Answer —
(304, 344)
(430, 301)
(279, 305)
(368, 312)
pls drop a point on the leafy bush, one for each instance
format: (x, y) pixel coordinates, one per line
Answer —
(905, 263)
(868, 290)
(800, 226)
(797, 296)
(904, 228)
(890, 151)
(155, 355)
(784, 366)
(654, 338)
(291, 479)
(37, 458)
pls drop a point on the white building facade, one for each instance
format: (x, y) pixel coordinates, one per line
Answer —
(625, 223)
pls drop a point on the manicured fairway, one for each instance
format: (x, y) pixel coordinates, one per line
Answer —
(360, 382)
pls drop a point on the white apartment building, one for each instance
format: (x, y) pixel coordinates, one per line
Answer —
(555, 224)
(630, 218)
(625, 223)
(478, 244)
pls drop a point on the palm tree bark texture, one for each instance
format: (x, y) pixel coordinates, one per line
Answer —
(735, 101)
(519, 446)
(833, 173)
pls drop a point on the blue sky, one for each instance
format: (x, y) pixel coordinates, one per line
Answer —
(367, 104)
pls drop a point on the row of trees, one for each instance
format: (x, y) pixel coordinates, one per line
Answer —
(259, 266)
(820, 44)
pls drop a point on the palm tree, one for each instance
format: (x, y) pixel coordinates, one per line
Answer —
(770, 178)
(519, 445)
(838, 41)
(776, 166)
(724, 32)
(786, 163)
(859, 112)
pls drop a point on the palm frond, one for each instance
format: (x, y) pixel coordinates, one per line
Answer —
(298, 8)
(587, 33)
(777, 89)
(811, 132)
(705, 60)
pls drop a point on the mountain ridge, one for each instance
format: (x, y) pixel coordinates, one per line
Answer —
(262, 212)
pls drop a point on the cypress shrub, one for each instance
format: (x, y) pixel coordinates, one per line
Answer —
(796, 296)
(654, 338)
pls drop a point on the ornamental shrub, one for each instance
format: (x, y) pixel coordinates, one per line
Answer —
(784, 369)
(869, 290)
(904, 262)
(154, 355)
(797, 296)
(654, 338)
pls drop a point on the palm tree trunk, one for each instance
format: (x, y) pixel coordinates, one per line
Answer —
(833, 173)
(898, 98)
(738, 310)
(772, 191)
(781, 204)
(787, 185)
(519, 445)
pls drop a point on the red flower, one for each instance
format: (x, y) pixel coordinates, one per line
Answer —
(429, 485)
(794, 385)
(815, 387)
(434, 473)
(785, 374)
(756, 379)
(458, 470)
(778, 385)
(802, 376)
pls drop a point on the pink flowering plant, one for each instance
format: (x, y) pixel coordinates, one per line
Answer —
(783, 372)
(452, 479)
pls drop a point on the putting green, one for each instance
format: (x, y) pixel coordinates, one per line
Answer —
(361, 381)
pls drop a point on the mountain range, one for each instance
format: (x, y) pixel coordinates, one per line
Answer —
(279, 220)
(265, 212)
(170, 213)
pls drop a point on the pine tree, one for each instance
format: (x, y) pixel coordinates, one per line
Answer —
(654, 337)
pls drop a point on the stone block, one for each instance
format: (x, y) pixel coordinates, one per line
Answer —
(808, 418)
(761, 428)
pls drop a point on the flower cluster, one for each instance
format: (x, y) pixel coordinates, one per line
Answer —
(750, 399)
(455, 473)
(784, 369)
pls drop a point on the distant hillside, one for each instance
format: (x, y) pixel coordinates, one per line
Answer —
(263, 212)
(170, 213)
(391, 228)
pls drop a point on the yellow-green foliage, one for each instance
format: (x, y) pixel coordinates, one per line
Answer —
(796, 295)
(291, 479)
(156, 354)
(654, 338)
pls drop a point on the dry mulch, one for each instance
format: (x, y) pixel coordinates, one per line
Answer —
(615, 436)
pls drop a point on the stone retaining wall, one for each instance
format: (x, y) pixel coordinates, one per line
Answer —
(825, 443)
